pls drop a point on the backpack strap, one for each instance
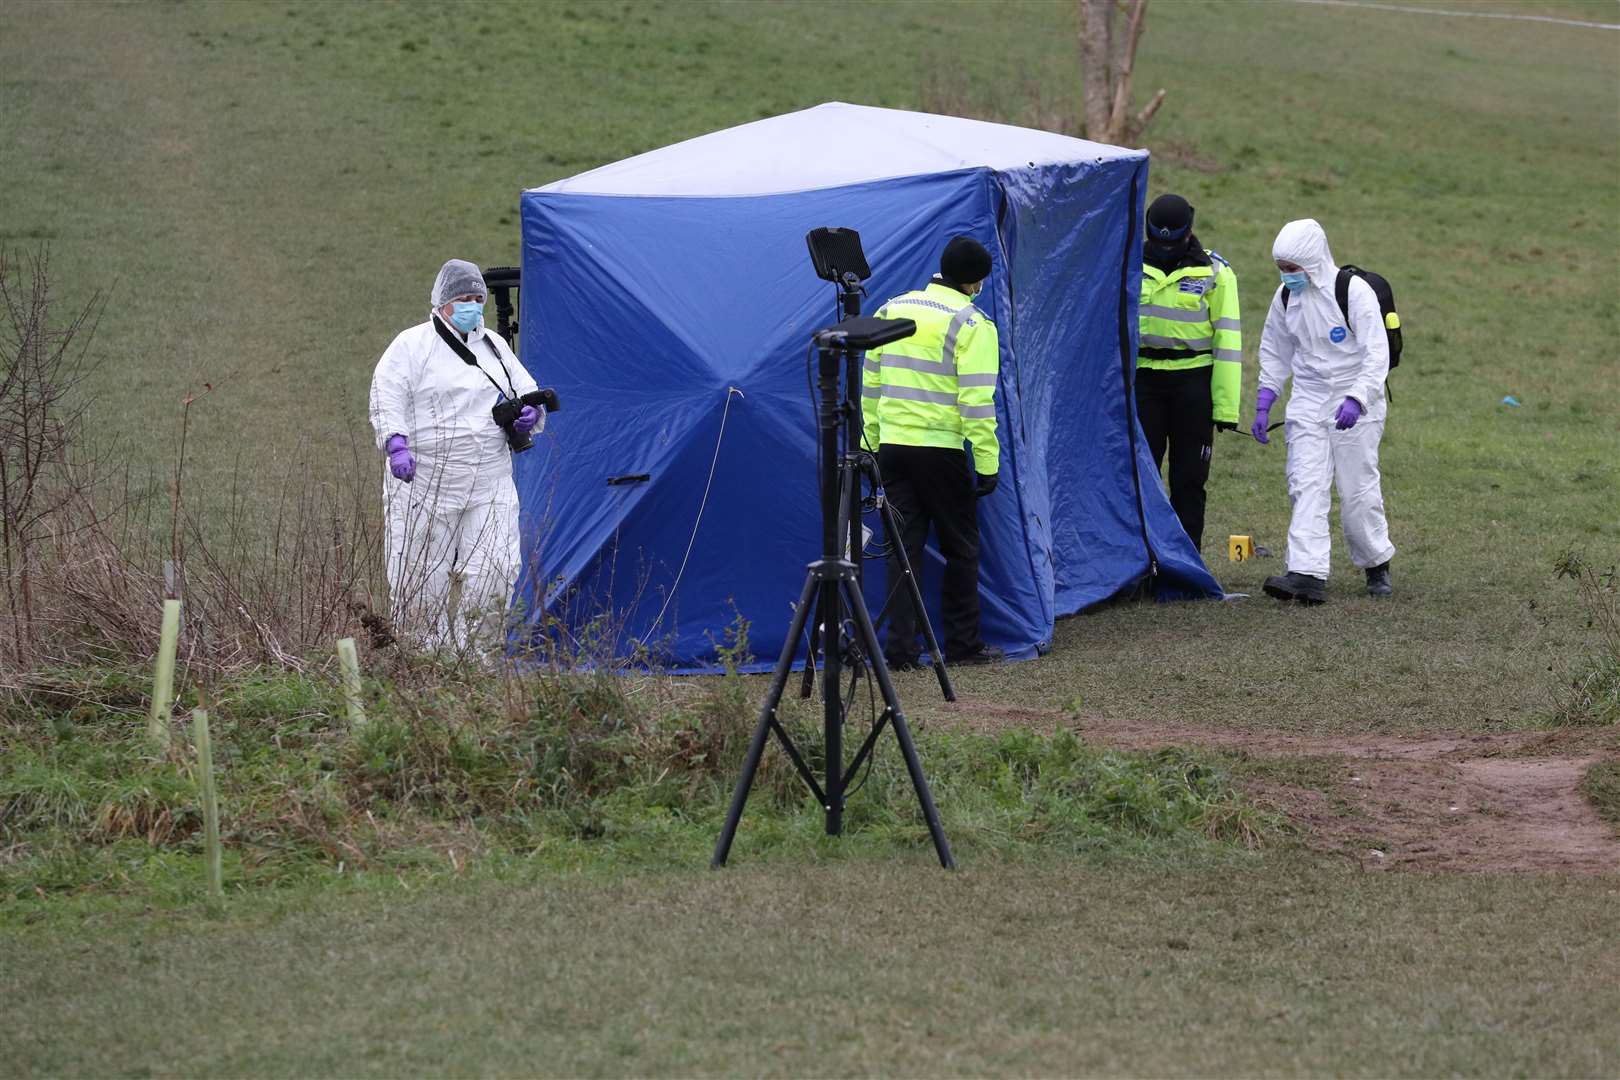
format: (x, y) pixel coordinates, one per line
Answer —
(1341, 292)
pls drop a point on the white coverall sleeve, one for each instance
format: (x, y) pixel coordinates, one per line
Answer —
(1367, 324)
(391, 392)
(1276, 348)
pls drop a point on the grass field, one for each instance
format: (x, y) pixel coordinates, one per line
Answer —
(264, 191)
(860, 968)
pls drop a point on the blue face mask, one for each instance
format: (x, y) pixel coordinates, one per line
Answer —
(465, 315)
(1295, 282)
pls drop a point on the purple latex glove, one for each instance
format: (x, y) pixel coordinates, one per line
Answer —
(401, 462)
(1262, 415)
(527, 417)
(1348, 414)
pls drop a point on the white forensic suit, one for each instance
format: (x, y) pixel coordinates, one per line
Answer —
(1328, 361)
(460, 513)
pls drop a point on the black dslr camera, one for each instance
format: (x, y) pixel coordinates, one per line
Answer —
(506, 414)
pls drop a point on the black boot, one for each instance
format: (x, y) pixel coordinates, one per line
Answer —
(1378, 583)
(1301, 587)
(984, 654)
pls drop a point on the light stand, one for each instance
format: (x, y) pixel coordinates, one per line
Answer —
(502, 282)
(832, 587)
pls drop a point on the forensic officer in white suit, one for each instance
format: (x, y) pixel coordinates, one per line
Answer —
(1335, 414)
(449, 501)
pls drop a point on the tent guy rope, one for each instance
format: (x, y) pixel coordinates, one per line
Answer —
(670, 596)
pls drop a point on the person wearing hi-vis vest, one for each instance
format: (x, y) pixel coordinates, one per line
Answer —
(922, 398)
(1189, 357)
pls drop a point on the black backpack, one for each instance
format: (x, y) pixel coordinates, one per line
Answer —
(1386, 306)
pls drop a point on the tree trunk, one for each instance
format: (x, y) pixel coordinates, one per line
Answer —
(1096, 70)
(1117, 39)
(1108, 59)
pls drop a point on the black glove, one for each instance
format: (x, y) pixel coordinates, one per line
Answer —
(1222, 425)
(984, 484)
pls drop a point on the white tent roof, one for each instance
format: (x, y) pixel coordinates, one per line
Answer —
(827, 146)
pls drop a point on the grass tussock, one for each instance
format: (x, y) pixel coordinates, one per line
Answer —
(1591, 695)
(567, 768)
(1601, 786)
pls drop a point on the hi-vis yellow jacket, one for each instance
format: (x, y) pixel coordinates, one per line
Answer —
(1190, 319)
(936, 387)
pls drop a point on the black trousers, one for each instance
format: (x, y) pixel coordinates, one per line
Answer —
(1175, 409)
(933, 487)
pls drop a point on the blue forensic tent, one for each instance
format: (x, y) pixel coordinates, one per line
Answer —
(669, 298)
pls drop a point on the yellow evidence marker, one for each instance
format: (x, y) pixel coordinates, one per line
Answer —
(1239, 548)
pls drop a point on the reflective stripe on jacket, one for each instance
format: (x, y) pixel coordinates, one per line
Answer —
(937, 387)
(1189, 318)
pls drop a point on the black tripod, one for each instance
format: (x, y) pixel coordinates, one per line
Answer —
(855, 464)
(831, 589)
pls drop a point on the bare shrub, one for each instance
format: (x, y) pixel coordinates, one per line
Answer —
(41, 419)
(86, 550)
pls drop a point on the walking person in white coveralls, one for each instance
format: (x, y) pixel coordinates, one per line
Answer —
(449, 502)
(1335, 415)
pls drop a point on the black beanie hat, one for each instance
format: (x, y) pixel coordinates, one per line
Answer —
(965, 261)
(1169, 219)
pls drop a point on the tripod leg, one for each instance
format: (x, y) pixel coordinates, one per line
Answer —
(880, 670)
(807, 684)
(942, 847)
(762, 730)
(896, 541)
(832, 703)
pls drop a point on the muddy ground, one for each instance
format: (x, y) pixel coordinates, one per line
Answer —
(1435, 802)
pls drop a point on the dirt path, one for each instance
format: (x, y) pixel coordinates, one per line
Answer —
(1436, 802)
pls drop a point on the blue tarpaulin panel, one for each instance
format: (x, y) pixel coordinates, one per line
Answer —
(670, 300)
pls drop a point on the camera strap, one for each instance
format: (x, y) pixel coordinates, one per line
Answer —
(459, 347)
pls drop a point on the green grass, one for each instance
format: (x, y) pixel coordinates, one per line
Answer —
(1487, 192)
(265, 191)
(228, 179)
(1602, 788)
(564, 771)
(1195, 967)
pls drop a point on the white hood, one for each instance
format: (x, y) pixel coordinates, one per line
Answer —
(1315, 307)
(1305, 243)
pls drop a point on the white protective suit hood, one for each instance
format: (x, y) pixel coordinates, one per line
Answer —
(1303, 242)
